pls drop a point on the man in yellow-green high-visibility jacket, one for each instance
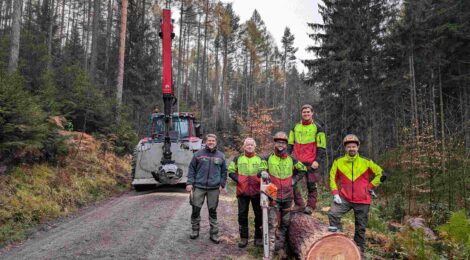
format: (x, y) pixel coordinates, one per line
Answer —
(244, 170)
(353, 179)
(307, 142)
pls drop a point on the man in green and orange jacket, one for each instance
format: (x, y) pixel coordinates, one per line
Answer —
(307, 142)
(353, 179)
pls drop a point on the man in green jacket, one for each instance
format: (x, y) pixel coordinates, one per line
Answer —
(244, 170)
(280, 171)
(307, 142)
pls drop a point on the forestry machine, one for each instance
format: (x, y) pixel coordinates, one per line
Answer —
(164, 155)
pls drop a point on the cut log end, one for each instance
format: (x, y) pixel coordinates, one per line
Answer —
(334, 246)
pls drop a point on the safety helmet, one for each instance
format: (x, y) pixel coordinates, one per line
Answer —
(280, 136)
(350, 138)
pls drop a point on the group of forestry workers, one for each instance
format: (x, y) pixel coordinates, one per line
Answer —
(298, 155)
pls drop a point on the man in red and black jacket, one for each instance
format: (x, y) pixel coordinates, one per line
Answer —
(307, 142)
(244, 170)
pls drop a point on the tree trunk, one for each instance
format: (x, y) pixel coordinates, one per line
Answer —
(467, 119)
(108, 43)
(61, 30)
(67, 28)
(87, 38)
(179, 83)
(204, 54)
(7, 13)
(15, 36)
(198, 53)
(49, 33)
(95, 38)
(309, 239)
(1, 15)
(122, 48)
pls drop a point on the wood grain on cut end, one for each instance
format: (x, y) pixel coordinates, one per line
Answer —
(335, 247)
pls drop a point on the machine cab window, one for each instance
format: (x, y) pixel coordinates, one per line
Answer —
(182, 127)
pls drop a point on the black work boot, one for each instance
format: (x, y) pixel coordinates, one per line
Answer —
(194, 234)
(214, 238)
(258, 242)
(243, 242)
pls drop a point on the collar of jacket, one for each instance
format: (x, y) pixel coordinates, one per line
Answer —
(307, 122)
(282, 154)
(211, 150)
(249, 155)
(351, 158)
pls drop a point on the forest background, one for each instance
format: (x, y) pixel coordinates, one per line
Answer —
(396, 73)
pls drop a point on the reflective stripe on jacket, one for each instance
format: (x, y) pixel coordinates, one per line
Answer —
(281, 171)
(309, 142)
(244, 170)
(355, 176)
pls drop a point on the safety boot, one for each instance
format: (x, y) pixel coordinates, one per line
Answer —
(258, 242)
(308, 210)
(332, 229)
(243, 243)
(194, 234)
(214, 238)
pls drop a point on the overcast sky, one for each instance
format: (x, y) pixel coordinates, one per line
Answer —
(277, 14)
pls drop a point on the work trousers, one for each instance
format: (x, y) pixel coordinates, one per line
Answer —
(361, 212)
(278, 219)
(197, 198)
(312, 178)
(243, 209)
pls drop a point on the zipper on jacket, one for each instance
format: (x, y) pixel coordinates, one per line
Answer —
(208, 172)
(352, 187)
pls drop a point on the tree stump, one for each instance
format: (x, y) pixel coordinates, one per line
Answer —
(309, 239)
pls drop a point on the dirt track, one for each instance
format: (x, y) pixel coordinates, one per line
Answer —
(135, 225)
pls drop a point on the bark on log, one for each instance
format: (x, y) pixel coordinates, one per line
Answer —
(309, 239)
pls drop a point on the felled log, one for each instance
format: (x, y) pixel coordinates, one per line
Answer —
(309, 239)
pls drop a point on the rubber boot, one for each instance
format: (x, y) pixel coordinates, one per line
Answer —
(194, 234)
(214, 238)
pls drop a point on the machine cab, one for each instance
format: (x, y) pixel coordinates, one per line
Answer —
(184, 128)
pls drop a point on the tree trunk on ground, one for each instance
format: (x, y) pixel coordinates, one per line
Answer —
(122, 48)
(15, 36)
(309, 239)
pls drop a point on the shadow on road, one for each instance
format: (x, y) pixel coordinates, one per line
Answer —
(179, 188)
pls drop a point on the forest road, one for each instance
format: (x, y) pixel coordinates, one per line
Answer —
(135, 225)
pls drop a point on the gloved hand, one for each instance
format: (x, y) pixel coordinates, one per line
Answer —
(372, 193)
(383, 177)
(337, 199)
(264, 175)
